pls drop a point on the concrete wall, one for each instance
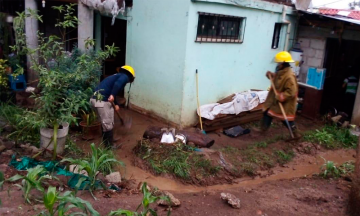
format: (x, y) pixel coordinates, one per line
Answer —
(156, 45)
(313, 43)
(229, 68)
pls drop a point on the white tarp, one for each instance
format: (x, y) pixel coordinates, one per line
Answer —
(243, 101)
(113, 7)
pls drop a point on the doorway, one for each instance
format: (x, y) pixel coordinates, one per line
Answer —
(113, 34)
(341, 60)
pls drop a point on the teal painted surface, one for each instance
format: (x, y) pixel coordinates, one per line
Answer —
(161, 48)
(156, 45)
(229, 68)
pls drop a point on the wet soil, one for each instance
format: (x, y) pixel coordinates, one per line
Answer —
(285, 190)
(299, 196)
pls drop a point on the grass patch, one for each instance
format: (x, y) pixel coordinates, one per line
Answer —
(177, 159)
(22, 123)
(284, 156)
(332, 137)
(261, 144)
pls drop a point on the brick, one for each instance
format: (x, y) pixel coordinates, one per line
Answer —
(314, 62)
(308, 52)
(304, 42)
(319, 54)
(317, 44)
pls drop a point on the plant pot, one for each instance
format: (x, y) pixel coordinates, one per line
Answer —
(47, 134)
(90, 132)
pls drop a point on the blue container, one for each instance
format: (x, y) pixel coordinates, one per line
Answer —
(316, 77)
(18, 83)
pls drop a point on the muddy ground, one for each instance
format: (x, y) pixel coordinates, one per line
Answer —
(290, 189)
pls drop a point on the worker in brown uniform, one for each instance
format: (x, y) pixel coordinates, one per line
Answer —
(285, 92)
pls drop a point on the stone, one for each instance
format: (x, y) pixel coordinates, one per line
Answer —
(304, 42)
(114, 177)
(314, 62)
(8, 152)
(9, 128)
(2, 147)
(75, 169)
(232, 200)
(173, 201)
(310, 53)
(317, 44)
(34, 149)
(319, 54)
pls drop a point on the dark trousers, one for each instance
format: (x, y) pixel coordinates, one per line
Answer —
(267, 119)
(348, 103)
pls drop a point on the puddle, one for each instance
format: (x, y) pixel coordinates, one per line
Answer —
(301, 166)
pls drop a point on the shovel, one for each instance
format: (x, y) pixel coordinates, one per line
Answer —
(125, 120)
(282, 108)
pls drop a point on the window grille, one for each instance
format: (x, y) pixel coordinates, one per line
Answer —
(218, 28)
(276, 36)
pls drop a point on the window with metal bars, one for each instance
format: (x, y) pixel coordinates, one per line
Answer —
(276, 36)
(217, 28)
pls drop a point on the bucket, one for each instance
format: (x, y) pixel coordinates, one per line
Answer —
(90, 132)
(47, 133)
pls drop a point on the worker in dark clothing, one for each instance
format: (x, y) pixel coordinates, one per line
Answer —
(108, 89)
(350, 85)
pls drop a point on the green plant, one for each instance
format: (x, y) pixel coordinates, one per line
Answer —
(347, 167)
(3, 75)
(72, 149)
(261, 144)
(148, 198)
(329, 169)
(93, 164)
(107, 167)
(21, 120)
(177, 163)
(248, 168)
(332, 137)
(89, 117)
(60, 73)
(323, 137)
(66, 203)
(32, 180)
(284, 157)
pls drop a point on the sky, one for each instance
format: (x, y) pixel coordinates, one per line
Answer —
(339, 4)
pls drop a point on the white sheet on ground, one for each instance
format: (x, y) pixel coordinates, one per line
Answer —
(243, 101)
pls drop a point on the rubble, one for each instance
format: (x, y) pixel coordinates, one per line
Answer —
(232, 200)
(114, 177)
(174, 202)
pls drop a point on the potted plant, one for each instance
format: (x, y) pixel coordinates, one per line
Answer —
(60, 74)
(91, 126)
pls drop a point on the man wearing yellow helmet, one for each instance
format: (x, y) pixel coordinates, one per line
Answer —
(286, 93)
(108, 89)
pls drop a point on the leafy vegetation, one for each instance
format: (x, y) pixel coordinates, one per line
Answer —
(97, 160)
(21, 121)
(148, 199)
(284, 157)
(65, 80)
(32, 180)
(329, 170)
(65, 204)
(332, 137)
(347, 167)
(176, 159)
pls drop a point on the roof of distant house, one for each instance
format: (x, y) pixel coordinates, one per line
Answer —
(354, 14)
(351, 16)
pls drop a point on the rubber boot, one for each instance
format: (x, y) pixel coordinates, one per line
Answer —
(296, 132)
(108, 137)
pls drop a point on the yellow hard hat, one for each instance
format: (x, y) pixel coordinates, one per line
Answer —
(130, 69)
(283, 57)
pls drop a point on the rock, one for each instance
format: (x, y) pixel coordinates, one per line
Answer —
(140, 185)
(75, 169)
(2, 148)
(231, 200)
(114, 177)
(34, 149)
(173, 201)
(8, 152)
(9, 128)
